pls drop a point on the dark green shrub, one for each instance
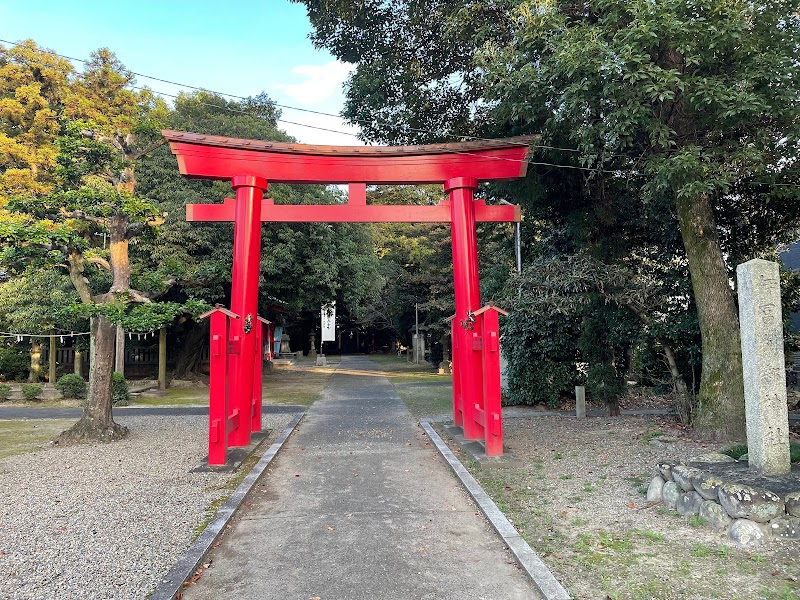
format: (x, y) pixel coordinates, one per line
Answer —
(5, 392)
(738, 450)
(71, 385)
(735, 451)
(541, 357)
(15, 360)
(119, 390)
(31, 391)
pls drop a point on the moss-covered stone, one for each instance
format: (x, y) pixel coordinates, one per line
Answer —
(708, 486)
(682, 475)
(715, 515)
(745, 502)
(792, 501)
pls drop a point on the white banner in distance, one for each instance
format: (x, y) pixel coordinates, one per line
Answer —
(329, 322)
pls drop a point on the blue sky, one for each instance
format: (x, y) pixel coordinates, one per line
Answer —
(235, 46)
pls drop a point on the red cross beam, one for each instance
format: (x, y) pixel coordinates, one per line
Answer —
(221, 158)
(352, 212)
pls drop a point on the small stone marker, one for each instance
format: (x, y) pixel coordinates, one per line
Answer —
(580, 401)
(763, 365)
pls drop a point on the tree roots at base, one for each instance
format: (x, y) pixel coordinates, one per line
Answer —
(88, 430)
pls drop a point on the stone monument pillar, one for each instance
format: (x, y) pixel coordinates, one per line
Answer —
(285, 347)
(761, 327)
(580, 401)
(312, 353)
(419, 348)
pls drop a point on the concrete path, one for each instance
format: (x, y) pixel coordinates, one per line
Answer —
(360, 505)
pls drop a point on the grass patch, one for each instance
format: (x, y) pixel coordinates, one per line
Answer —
(299, 385)
(422, 400)
(639, 482)
(427, 401)
(651, 435)
(700, 550)
(174, 397)
(21, 436)
(399, 370)
(650, 536)
(697, 521)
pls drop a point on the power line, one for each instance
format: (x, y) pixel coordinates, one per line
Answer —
(286, 106)
(321, 113)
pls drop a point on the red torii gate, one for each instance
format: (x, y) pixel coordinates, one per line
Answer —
(250, 164)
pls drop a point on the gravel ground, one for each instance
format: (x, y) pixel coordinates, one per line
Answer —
(579, 501)
(107, 521)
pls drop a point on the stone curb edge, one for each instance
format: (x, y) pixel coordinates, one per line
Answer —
(172, 583)
(540, 575)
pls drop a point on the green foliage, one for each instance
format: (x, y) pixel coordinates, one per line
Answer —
(119, 390)
(644, 105)
(603, 380)
(33, 301)
(542, 361)
(14, 361)
(735, 451)
(31, 391)
(71, 385)
(147, 316)
(5, 392)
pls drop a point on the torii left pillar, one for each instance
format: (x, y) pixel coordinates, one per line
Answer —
(469, 371)
(244, 297)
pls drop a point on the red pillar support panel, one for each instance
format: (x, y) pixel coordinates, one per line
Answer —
(262, 331)
(218, 386)
(491, 383)
(458, 413)
(467, 297)
(244, 296)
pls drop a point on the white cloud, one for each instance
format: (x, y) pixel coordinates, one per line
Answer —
(319, 129)
(320, 83)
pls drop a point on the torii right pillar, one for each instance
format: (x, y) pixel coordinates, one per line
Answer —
(468, 365)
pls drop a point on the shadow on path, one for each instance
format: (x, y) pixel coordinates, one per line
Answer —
(359, 505)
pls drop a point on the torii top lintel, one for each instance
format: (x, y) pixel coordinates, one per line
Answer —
(215, 157)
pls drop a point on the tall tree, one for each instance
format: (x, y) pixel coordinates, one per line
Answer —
(33, 86)
(689, 103)
(93, 189)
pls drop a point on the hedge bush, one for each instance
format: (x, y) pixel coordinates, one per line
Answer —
(71, 385)
(5, 392)
(31, 391)
(119, 390)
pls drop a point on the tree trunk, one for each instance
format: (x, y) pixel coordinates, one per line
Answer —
(613, 407)
(51, 373)
(685, 399)
(720, 402)
(119, 350)
(188, 360)
(78, 365)
(162, 358)
(35, 370)
(97, 424)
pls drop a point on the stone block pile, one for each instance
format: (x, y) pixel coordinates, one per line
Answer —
(749, 515)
